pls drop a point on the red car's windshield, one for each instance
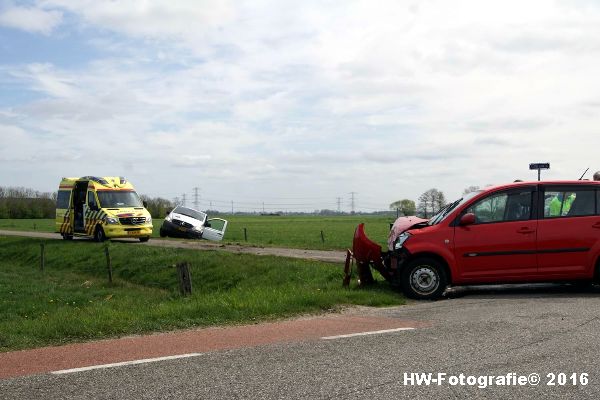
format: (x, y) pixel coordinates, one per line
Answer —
(445, 211)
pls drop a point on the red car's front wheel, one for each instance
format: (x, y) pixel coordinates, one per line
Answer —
(424, 279)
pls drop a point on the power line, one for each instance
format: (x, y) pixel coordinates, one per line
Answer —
(258, 204)
(257, 207)
(233, 207)
(196, 197)
(272, 201)
(352, 202)
(261, 197)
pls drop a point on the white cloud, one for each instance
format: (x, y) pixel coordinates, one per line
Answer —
(263, 108)
(46, 79)
(267, 98)
(17, 143)
(151, 19)
(30, 19)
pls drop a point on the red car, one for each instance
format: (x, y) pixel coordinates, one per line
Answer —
(514, 233)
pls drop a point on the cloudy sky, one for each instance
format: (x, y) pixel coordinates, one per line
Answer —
(297, 103)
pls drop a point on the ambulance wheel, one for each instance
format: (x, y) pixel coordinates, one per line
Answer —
(99, 235)
(66, 236)
(144, 239)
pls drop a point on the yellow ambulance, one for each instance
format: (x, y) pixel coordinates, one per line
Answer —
(102, 208)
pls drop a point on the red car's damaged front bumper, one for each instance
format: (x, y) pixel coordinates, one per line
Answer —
(369, 254)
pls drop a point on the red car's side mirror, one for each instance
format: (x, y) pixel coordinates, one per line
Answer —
(467, 219)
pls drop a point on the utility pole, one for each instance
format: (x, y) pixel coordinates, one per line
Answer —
(196, 203)
(352, 202)
(232, 207)
(263, 207)
(339, 204)
(183, 199)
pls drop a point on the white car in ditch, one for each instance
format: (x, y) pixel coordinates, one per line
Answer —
(185, 222)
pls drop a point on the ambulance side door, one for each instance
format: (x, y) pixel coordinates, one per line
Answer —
(63, 219)
(92, 212)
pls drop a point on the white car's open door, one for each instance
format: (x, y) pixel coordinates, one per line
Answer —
(215, 229)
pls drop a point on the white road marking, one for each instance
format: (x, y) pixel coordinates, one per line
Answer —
(120, 364)
(366, 333)
(151, 360)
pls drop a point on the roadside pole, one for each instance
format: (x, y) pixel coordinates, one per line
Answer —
(539, 167)
(42, 256)
(185, 278)
(108, 263)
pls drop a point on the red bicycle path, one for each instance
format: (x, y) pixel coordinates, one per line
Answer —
(131, 348)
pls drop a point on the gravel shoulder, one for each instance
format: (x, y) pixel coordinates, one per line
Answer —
(334, 256)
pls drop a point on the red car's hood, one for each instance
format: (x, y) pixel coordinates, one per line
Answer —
(402, 224)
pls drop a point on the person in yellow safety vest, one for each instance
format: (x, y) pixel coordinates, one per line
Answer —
(557, 201)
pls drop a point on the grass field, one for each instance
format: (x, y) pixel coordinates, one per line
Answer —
(285, 231)
(71, 300)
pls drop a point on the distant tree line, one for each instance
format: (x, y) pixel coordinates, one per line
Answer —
(406, 207)
(157, 206)
(430, 203)
(19, 202)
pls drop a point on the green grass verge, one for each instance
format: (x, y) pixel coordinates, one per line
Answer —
(42, 225)
(71, 300)
(286, 231)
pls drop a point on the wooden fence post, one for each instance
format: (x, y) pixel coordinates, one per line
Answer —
(42, 256)
(322, 237)
(185, 278)
(108, 263)
(245, 235)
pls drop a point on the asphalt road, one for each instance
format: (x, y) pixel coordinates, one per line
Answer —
(524, 330)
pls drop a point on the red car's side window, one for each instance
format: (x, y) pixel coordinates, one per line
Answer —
(503, 207)
(569, 203)
(490, 209)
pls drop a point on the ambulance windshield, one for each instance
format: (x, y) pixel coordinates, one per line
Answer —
(118, 199)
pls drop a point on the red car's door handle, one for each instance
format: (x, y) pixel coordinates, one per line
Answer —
(596, 225)
(526, 230)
